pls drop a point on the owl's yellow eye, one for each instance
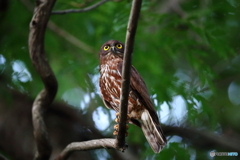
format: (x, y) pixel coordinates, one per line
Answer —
(105, 48)
(119, 46)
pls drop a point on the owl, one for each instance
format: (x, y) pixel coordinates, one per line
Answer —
(141, 110)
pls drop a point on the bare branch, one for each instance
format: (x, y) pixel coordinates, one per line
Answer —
(45, 97)
(80, 10)
(129, 43)
(87, 145)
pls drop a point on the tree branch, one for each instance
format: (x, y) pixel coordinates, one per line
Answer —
(204, 138)
(87, 145)
(80, 10)
(129, 43)
(46, 96)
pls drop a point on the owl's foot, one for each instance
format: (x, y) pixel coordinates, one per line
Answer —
(117, 119)
(116, 127)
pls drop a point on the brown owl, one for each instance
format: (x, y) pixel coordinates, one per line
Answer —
(140, 106)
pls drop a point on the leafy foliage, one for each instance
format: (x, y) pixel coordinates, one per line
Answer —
(191, 57)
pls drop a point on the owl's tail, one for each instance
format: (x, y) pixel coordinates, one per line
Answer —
(152, 132)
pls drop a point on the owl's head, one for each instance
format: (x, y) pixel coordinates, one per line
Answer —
(112, 49)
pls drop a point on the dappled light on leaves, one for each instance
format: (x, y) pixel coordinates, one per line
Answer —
(101, 118)
(234, 93)
(20, 72)
(102, 154)
(77, 98)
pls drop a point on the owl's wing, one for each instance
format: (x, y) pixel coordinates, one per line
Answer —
(138, 86)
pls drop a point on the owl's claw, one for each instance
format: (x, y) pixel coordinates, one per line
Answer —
(117, 119)
(115, 133)
(116, 128)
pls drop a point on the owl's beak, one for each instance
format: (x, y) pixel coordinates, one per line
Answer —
(113, 49)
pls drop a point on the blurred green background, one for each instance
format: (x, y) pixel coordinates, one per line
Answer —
(186, 51)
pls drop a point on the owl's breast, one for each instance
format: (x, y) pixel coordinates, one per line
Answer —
(110, 87)
(110, 83)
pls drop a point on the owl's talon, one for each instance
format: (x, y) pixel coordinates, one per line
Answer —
(116, 127)
(117, 120)
(115, 133)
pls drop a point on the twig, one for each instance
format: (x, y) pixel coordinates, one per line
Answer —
(129, 43)
(80, 10)
(63, 33)
(87, 145)
(70, 38)
(46, 96)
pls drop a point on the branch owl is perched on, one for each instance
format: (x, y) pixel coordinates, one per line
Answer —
(140, 107)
